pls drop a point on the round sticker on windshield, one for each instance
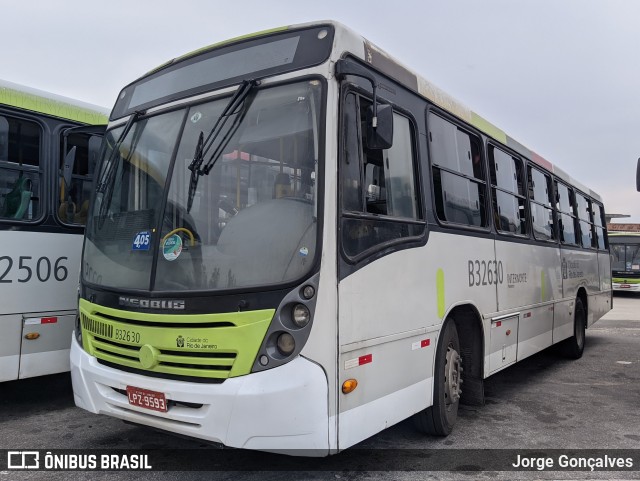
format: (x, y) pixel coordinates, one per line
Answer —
(172, 247)
(196, 117)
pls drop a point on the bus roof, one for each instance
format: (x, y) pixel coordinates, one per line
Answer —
(15, 95)
(347, 41)
(379, 59)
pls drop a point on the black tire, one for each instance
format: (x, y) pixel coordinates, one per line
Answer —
(440, 418)
(574, 346)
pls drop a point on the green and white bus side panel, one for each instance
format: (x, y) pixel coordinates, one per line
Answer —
(529, 283)
(39, 301)
(391, 312)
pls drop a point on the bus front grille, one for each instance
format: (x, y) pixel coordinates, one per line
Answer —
(211, 347)
(205, 364)
(96, 327)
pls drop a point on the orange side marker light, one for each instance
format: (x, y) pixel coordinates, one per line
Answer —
(349, 386)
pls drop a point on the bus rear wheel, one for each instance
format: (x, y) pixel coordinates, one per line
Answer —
(574, 346)
(440, 418)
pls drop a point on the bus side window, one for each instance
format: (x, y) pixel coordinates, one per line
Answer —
(20, 171)
(458, 173)
(540, 203)
(566, 213)
(351, 178)
(73, 202)
(377, 182)
(4, 140)
(507, 189)
(583, 206)
(600, 226)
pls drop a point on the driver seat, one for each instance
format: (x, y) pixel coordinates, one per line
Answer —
(17, 200)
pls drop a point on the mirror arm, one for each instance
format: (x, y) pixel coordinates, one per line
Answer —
(346, 67)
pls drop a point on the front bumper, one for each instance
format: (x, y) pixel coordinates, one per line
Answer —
(284, 409)
(623, 286)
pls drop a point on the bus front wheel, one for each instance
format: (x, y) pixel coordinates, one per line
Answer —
(440, 418)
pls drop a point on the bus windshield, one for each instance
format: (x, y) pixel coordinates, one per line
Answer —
(252, 220)
(625, 257)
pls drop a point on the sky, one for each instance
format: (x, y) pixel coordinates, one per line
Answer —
(559, 76)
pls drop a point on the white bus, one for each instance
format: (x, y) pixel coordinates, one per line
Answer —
(42, 214)
(296, 242)
(625, 263)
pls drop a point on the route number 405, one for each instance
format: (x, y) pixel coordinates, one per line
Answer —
(142, 241)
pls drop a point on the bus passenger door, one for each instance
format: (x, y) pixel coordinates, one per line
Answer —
(381, 311)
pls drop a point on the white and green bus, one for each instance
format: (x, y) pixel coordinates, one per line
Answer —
(296, 242)
(43, 208)
(625, 263)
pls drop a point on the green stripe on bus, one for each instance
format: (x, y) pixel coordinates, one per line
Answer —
(55, 108)
(623, 280)
(440, 292)
(488, 128)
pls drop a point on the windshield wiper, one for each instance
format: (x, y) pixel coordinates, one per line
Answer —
(204, 145)
(108, 173)
(106, 180)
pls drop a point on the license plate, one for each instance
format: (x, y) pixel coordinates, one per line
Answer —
(625, 286)
(156, 401)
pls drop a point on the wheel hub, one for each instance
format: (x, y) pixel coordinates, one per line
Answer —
(452, 372)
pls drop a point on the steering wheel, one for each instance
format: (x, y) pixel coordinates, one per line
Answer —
(181, 229)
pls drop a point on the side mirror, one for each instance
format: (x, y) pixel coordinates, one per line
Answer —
(638, 176)
(379, 116)
(67, 169)
(380, 127)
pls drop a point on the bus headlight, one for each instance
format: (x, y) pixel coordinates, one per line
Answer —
(301, 315)
(290, 326)
(286, 344)
(308, 292)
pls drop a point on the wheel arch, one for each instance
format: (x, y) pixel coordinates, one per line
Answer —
(582, 295)
(468, 322)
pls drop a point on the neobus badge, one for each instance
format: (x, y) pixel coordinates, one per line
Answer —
(151, 303)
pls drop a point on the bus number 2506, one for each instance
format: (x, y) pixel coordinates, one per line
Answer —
(27, 268)
(485, 273)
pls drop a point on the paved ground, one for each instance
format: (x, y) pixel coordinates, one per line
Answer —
(544, 402)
